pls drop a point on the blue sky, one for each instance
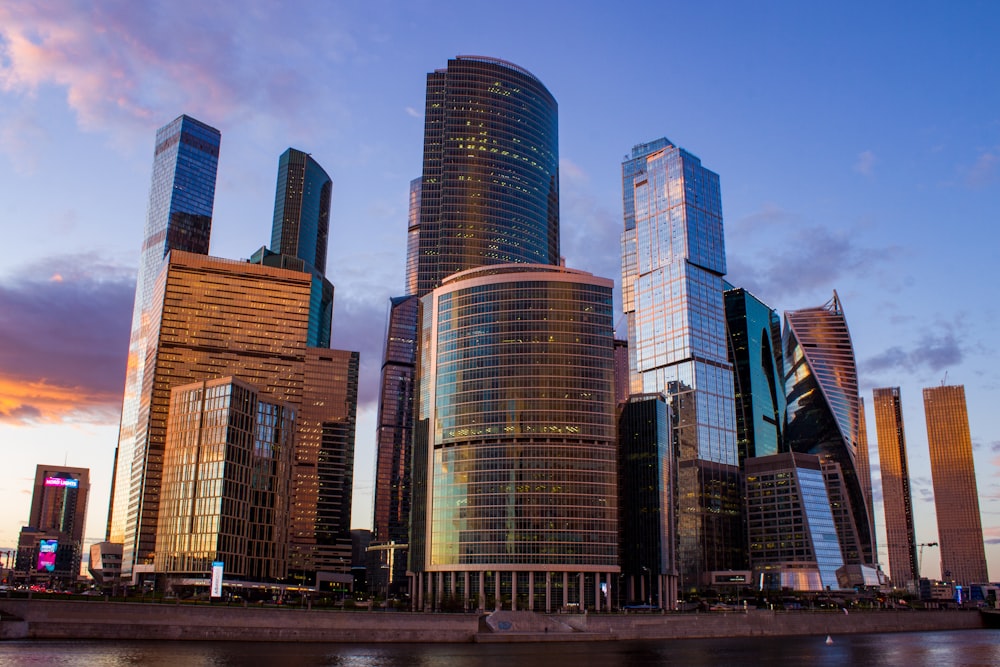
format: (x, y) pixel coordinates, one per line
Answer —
(858, 146)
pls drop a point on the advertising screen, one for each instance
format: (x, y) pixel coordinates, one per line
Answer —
(47, 555)
(62, 481)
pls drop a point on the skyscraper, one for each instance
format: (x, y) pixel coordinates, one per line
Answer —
(489, 192)
(755, 351)
(956, 496)
(823, 416)
(51, 545)
(897, 501)
(179, 216)
(514, 456)
(673, 260)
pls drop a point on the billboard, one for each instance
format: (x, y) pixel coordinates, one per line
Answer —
(47, 555)
(216, 579)
(62, 481)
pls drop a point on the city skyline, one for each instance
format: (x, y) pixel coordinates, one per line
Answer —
(823, 155)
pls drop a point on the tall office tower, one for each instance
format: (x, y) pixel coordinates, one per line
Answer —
(51, 545)
(897, 501)
(822, 416)
(200, 331)
(755, 351)
(647, 498)
(489, 192)
(621, 371)
(673, 260)
(391, 524)
(300, 234)
(514, 456)
(865, 472)
(956, 496)
(179, 216)
(224, 491)
(792, 538)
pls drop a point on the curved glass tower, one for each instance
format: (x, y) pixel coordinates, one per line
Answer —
(489, 192)
(823, 413)
(515, 451)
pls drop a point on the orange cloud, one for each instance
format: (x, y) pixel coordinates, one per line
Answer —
(39, 401)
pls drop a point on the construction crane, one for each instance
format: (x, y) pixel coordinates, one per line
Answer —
(920, 559)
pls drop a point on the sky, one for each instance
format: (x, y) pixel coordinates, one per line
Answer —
(858, 146)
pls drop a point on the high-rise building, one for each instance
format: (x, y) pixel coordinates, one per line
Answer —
(897, 501)
(823, 416)
(790, 526)
(673, 260)
(956, 496)
(754, 330)
(489, 192)
(391, 523)
(224, 493)
(179, 216)
(865, 473)
(647, 499)
(515, 457)
(51, 545)
(213, 318)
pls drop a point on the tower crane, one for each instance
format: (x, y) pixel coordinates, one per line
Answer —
(920, 559)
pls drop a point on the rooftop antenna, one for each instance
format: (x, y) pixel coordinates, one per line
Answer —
(944, 380)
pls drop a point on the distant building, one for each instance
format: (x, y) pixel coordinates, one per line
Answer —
(105, 564)
(673, 261)
(897, 500)
(515, 456)
(51, 546)
(792, 537)
(823, 416)
(224, 490)
(647, 502)
(956, 495)
(621, 371)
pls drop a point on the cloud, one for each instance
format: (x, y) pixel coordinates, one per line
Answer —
(933, 352)
(413, 113)
(590, 234)
(984, 171)
(129, 66)
(922, 489)
(64, 328)
(865, 163)
(359, 325)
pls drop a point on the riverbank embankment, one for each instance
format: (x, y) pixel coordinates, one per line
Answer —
(58, 619)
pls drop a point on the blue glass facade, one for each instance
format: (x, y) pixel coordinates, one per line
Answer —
(673, 260)
(823, 415)
(755, 351)
(302, 209)
(179, 217)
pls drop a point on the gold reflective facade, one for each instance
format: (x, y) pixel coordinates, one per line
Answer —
(224, 490)
(897, 500)
(515, 453)
(956, 495)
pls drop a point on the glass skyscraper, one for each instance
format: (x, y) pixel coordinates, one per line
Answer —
(897, 501)
(755, 351)
(673, 260)
(956, 496)
(514, 474)
(823, 416)
(179, 217)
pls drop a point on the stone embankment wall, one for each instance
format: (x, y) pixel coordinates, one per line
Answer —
(57, 619)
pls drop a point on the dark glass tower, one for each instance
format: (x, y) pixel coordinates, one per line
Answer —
(51, 545)
(179, 217)
(897, 500)
(673, 260)
(823, 416)
(755, 351)
(489, 192)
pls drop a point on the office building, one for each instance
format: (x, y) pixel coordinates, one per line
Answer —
(755, 351)
(179, 216)
(647, 501)
(823, 416)
(224, 491)
(216, 318)
(50, 547)
(673, 260)
(956, 495)
(489, 190)
(897, 499)
(865, 473)
(790, 526)
(391, 524)
(514, 459)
